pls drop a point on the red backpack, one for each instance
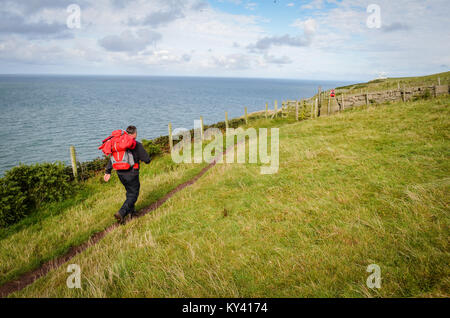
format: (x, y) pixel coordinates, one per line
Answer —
(118, 145)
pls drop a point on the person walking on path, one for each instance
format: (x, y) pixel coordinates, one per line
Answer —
(130, 177)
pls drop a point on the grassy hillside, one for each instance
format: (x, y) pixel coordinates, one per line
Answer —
(367, 186)
(392, 83)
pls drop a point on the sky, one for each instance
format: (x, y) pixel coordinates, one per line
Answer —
(344, 40)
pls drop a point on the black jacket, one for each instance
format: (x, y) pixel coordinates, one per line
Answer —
(139, 154)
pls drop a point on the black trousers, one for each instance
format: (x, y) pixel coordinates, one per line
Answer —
(130, 180)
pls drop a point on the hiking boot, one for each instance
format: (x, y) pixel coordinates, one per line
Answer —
(133, 214)
(119, 218)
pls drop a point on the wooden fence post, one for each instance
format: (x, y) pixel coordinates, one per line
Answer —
(226, 121)
(319, 101)
(170, 138)
(324, 94)
(276, 109)
(73, 158)
(404, 94)
(316, 107)
(303, 109)
(328, 108)
(267, 109)
(367, 97)
(296, 110)
(246, 117)
(201, 128)
(439, 81)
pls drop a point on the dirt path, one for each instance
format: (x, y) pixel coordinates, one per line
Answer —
(28, 278)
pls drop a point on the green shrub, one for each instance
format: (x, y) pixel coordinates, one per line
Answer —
(221, 125)
(88, 169)
(427, 94)
(14, 203)
(25, 187)
(151, 147)
(162, 142)
(235, 123)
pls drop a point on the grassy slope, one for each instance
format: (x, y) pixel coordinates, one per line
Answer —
(392, 83)
(53, 229)
(362, 187)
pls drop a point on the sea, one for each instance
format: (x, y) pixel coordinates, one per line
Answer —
(41, 116)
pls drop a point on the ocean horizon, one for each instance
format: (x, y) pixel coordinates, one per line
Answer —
(42, 115)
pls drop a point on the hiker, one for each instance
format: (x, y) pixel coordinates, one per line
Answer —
(130, 176)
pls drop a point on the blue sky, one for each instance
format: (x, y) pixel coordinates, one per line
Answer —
(280, 13)
(311, 39)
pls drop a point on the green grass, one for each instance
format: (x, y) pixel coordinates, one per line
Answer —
(367, 186)
(392, 83)
(54, 228)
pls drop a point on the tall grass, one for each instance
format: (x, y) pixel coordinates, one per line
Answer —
(54, 228)
(367, 186)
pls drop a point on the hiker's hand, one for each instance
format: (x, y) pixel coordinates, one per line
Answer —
(106, 177)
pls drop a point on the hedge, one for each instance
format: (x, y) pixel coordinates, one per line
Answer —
(26, 187)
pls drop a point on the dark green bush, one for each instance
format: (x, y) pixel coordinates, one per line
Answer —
(221, 125)
(88, 169)
(151, 147)
(26, 187)
(14, 203)
(425, 95)
(162, 142)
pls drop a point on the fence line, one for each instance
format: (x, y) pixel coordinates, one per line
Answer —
(402, 93)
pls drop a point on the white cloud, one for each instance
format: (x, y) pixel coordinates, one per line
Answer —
(232, 62)
(315, 4)
(309, 26)
(129, 41)
(251, 5)
(277, 60)
(194, 38)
